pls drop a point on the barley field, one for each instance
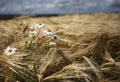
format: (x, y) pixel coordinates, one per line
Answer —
(65, 48)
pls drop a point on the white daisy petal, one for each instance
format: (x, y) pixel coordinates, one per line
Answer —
(31, 28)
(52, 43)
(8, 48)
(45, 31)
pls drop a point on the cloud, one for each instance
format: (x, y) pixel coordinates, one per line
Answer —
(58, 6)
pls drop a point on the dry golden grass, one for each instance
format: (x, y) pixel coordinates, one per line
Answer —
(87, 50)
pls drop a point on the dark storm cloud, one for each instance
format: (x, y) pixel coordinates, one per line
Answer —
(115, 4)
(58, 6)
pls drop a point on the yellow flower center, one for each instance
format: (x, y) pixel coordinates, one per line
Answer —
(10, 50)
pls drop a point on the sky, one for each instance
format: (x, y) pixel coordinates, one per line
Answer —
(58, 6)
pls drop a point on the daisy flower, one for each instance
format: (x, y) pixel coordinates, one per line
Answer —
(48, 33)
(9, 51)
(55, 37)
(32, 33)
(40, 25)
(30, 67)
